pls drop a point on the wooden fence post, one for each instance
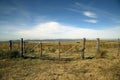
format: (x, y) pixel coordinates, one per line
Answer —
(41, 48)
(98, 46)
(24, 47)
(118, 47)
(59, 49)
(21, 47)
(83, 49)
(10, 45)
(10, 48)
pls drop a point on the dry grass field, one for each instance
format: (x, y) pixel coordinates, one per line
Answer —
(102, 66)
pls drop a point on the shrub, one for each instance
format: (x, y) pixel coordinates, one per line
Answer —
(15, 54)
(8, 54)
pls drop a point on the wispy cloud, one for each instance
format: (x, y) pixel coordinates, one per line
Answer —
(73, 10)
(91, 21)
(89, 14)
(100, 12)
(54, 30)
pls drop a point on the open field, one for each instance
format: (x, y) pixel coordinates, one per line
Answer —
(105, 66)
(36, 69)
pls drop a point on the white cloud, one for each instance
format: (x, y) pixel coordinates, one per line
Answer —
(89, 14)
(91, 21)
(102, 13)
(54, 30)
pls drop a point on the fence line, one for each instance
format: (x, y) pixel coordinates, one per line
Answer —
(70, 49)
(82, 51)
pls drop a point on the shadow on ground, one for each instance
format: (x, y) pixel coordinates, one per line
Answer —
(46, 57)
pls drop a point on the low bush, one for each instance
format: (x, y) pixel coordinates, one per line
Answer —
(8, 54)
(15, 54)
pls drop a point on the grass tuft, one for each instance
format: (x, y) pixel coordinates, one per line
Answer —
(101, 54)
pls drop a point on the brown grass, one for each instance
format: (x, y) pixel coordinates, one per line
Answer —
(36, 69)
(105, 67)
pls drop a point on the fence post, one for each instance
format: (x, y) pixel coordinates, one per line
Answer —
(24, 47)
(59, 49)
(118, 47)
(98, 46)
(10, 45)
(83, 49)
(21, 47)
(41, 48)
(10, 48)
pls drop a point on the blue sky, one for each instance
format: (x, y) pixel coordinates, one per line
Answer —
(53, 19)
